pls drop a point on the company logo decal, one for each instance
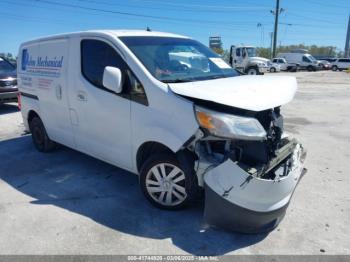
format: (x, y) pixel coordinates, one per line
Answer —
(43, 66)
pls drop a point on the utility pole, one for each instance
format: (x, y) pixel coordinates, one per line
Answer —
(271, 35)
(347, 43)
(277, 12)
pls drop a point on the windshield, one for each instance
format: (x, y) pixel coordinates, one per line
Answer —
(251, 51)
(6, 67)
(175, 60)
(311, 58)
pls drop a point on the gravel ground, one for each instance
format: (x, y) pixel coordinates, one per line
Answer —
(68, 203)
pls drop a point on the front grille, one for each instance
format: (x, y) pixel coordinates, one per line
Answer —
(8, 83)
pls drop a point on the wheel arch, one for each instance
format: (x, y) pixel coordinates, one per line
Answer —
(31, 114)
(148, 148)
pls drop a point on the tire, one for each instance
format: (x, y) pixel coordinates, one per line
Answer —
(273, 70)
(165, 184)
(334, 68)
(310, 68)
(252, 71)
(40, 138)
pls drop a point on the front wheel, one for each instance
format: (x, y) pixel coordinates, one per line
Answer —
(165, 184)
(272, 70)
(252, 71)
(334, 68)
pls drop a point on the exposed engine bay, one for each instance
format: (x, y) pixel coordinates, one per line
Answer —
(257, 157)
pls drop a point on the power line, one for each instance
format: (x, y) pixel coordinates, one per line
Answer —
(314, 19)
(204, 6)
(326, 4)
(234, 23)
(13, 16)
(131, 14)
(308, 25)
(31, 19)
(173, 8)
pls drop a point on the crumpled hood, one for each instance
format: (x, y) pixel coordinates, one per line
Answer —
(255, 93)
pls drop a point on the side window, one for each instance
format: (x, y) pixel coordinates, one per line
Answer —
(96, 55)
(136, 90)
(238, 52)
(305, 59)
(341, 60)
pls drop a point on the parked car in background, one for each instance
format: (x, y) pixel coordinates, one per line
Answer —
(324, 64)
(273, 67)
(305, 61)
(341, 64)
(325, 58)
(8, 82)
(284, 65)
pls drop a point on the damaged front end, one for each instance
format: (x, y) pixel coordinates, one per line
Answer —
(249, 171)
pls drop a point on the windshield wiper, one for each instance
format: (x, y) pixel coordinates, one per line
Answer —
(216, 77)
(176, 81)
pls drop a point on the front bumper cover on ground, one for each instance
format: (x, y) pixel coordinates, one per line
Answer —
(238, 201)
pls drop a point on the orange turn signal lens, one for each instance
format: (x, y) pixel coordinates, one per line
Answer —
(204, 120)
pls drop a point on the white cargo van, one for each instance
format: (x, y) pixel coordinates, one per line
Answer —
(127, 98)
(304, 60)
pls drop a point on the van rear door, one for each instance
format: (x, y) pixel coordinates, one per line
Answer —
(51, 67)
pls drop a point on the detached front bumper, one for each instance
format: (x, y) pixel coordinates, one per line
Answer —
(239, 201)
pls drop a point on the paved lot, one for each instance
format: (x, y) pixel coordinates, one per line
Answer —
(68, 203)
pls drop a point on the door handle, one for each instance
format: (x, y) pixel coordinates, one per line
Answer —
(59, 92)
(81, 96)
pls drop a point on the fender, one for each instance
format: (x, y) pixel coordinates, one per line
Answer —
(169, 138)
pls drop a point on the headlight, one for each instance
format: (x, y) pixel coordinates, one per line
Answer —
(230, 126)
(262, 65)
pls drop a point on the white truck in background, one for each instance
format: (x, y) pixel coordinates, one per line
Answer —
(303, 59)
(245, 59)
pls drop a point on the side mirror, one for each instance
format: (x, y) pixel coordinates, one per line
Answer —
(112, 79)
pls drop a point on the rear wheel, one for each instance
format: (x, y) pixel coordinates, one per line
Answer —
(39, 136)
(165, 183)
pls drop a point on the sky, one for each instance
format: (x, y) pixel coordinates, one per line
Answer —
(320, 22)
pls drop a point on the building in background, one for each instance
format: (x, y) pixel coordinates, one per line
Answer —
(215, 42)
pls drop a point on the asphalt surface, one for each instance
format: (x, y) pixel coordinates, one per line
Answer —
(68, 203)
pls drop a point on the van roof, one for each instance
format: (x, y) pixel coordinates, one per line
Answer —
(114, 33)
